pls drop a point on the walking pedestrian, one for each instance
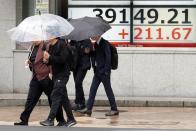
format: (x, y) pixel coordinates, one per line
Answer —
(40, 82)
(102, 71)
(57, 57)
(84, 49)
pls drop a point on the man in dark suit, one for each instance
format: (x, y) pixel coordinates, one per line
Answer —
(58, 57)
(102, 71)
(84, 49)
(40, 82)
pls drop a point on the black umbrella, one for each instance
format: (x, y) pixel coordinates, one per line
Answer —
(87, 27)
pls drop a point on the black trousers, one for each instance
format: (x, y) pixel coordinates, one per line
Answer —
(35, 91)
(79, 76)
(105, 79)
(60, 98)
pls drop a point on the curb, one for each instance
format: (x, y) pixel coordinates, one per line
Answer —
(20, 99)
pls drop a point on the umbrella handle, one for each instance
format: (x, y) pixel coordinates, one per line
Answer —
(31, 51)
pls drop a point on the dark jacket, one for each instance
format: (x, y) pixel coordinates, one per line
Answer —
(102, 57)
(84, 60)
(58, 59)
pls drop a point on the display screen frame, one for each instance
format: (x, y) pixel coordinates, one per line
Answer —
(133, 43)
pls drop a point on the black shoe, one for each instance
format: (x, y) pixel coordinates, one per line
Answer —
(76, 107)
(86, 111)
(22, 123)
(71, 123)
(112, 113)
(47, 122)
(73, 106)
(61, 123)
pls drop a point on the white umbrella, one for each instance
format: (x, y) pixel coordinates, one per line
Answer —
(40, 28)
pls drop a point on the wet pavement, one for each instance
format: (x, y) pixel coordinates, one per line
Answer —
(36, 128)
(20, 128)
(129, 118)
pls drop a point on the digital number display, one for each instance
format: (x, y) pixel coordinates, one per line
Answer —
(169, 25)
(145, 24)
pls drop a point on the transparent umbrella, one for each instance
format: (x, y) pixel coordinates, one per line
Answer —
(87, 27)
(41, 28)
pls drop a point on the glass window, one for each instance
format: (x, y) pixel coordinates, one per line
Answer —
(42, 6)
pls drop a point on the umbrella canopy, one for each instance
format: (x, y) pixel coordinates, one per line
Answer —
(87, 27)
(40, 28)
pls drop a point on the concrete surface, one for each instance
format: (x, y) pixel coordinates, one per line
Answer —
(20, 99)
(12, 128)
(130, 117)
(142, 72)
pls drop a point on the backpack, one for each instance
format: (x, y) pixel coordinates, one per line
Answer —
(114, 57)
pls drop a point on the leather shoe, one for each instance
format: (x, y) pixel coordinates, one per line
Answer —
(76, 107)
(112, 113)
(86, 111)
(47, 122)
(22, 123)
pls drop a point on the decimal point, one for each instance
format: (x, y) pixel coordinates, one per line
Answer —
(162, 21)
(168, 38)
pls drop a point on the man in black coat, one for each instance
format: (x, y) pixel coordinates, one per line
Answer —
(102, 71)
(84, 49)
(57, 57)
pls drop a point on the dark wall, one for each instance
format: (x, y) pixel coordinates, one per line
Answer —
(64, 8)
(59, 7)
(28, 8)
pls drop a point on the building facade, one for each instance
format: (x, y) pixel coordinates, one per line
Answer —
(153, 71)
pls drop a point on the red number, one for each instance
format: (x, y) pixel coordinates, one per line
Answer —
(149, 34)
(176, 34)
(159, 30)
(138, 35)
(188, 32)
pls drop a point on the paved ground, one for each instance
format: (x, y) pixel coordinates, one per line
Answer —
(33, 128)
(130, 118)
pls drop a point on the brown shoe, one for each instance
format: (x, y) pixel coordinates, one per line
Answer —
(112, 113)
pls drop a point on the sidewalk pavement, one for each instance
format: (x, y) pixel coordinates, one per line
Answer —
(130, 117)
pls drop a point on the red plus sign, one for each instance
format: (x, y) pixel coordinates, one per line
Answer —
(123, 33)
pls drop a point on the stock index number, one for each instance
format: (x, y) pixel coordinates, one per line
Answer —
(152, 16)
(111, 14)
